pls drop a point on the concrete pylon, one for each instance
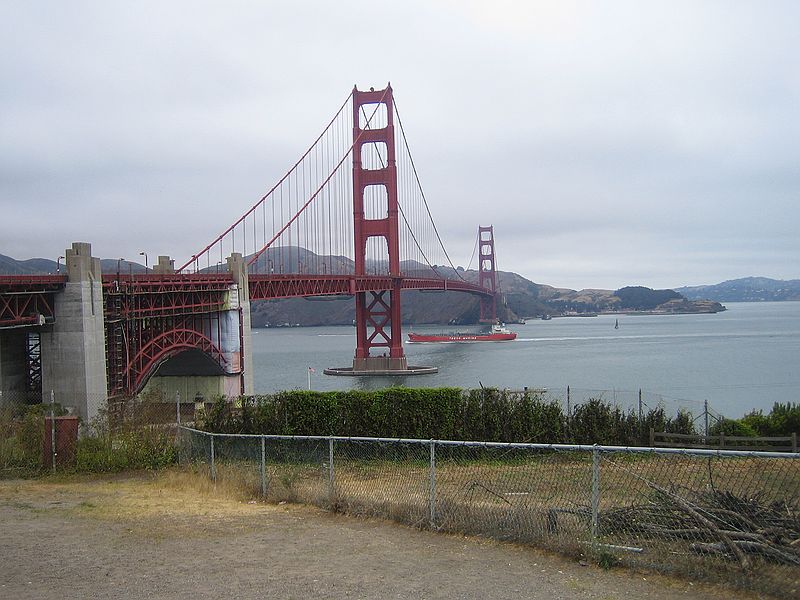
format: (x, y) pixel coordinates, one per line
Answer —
(238, 268)
(73, 349)
(165, 265)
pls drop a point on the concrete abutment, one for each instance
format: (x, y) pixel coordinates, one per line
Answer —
(73, 348)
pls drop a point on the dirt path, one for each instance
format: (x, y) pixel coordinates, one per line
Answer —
(171, 536)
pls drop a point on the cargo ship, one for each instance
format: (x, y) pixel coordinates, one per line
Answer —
(499, 333)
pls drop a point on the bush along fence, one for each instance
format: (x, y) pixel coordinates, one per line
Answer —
(485, 414)
(714, 515)
(47, 438)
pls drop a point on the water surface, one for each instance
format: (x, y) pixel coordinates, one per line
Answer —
(747, 357)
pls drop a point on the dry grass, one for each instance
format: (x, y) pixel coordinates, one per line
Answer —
(181, 502)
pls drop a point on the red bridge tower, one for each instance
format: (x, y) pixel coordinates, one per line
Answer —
(377, 313)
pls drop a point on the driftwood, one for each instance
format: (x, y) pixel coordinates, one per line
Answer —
(753, 547)
(716, 523)
(705, 522)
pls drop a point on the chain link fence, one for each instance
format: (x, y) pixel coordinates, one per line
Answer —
(639, 400)
(726, 516)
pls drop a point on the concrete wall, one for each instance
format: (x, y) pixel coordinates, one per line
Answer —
(188, 386)
(13, 363)
(238, 267)
(73, 348)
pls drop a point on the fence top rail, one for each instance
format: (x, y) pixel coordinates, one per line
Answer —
(508, 445)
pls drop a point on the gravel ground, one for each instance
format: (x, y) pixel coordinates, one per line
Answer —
(169, 536)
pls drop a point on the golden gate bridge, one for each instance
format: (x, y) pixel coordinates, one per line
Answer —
(350, 218)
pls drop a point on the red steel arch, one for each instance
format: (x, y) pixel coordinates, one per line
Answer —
(169, 344)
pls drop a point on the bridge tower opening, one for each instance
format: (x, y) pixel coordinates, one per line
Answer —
(487, 273)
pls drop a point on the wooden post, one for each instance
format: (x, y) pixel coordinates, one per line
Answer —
(794, 441)
(652, 438)
(721, 440)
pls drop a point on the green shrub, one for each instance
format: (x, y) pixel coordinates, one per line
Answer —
(784, 418)
(126, 451)
(485, 414)
(22, 437)
(732, 427)
(132, 444)
(759, 423)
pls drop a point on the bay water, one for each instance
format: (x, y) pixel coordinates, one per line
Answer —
(745, 358)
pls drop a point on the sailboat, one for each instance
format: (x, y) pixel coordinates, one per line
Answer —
(616, 323)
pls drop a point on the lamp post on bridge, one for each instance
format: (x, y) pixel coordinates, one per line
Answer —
(58, 265)
(119, 260)
(146, 265)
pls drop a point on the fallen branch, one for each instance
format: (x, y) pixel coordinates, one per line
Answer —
(705, 522)
(747, 546)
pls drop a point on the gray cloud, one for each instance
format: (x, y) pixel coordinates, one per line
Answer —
(609, 143)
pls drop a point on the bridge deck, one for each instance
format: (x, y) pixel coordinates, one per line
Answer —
(28, 299)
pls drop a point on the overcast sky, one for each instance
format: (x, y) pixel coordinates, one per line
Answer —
(610, 143)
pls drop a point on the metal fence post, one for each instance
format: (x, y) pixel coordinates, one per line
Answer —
(213, 465)
(178, 407)
(330, 469)
(53, 453)
(263, 467)
(595, 492)
(433, 485)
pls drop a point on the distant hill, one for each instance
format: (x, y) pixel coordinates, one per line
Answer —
(746, 289)
(44, 266)
(32, 266)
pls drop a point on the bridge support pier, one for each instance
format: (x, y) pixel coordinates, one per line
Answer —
(73, 348)
(238, 267)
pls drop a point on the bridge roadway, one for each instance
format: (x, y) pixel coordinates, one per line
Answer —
(27, 300)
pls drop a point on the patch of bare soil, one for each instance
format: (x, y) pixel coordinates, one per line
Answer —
(173, 535)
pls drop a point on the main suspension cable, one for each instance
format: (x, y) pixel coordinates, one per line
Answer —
(422, 192)
(403, 214)
(265, 196)
(255, 256)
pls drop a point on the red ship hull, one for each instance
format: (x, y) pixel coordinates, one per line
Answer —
(463, 337)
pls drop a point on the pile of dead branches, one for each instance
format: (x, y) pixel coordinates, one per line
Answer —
(715, 522)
